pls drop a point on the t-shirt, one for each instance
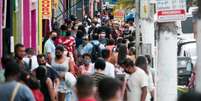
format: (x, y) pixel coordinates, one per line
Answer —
(49, 47)
(109, 69)
(98, 77)
(23, 94)
(136, 81)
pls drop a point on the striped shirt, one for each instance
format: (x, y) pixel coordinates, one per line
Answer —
(98, 77)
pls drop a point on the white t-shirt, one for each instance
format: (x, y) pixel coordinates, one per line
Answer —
(34, 64)
(136, 81)
(109, 69)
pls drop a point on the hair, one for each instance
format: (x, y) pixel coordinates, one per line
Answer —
(63, 27)
(108, 87)
(29, 51)
(40, 56)
(141, 62)
(79, 34)
(33, 83)
(105, 53)
(95, 36)
(122, 53)
(17, 46)
(132, 49)
(111, 42)
(84, 86)
(11, 69)
(128, 62)
(6, 59)
(148, 57)
(191, 96)
(60, 47)
(41, 73)
(86, 54)
(100, 64)
(68, 33)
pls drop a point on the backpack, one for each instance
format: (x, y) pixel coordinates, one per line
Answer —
(96, 52)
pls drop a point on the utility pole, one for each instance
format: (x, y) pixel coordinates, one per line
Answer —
(167, 62)
(198, 65)
(137, 18)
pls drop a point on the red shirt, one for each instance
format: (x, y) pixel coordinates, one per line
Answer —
(69, 42)
(87, 99)
(38, 95)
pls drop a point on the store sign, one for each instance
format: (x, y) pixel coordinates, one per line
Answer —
(171, 10)
(46, 9)
(144, 8)
(119, 14)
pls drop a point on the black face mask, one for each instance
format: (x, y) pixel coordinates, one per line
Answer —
(54, 38)
(58, 56)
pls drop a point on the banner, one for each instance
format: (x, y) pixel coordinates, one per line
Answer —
(40, 25)
(46, 8)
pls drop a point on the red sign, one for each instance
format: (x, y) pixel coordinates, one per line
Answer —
(171, 12)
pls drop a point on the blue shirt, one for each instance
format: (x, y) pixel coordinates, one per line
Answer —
(88, 47)
(23, 93)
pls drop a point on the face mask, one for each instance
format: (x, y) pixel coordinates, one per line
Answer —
(58, 56)
(54, 38)
(87, 62)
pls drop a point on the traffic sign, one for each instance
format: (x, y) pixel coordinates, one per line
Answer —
(170, 10)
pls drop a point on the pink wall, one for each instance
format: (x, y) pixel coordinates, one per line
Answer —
(26, 23)
(33, 29)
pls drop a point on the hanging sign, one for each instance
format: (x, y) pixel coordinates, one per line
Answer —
(46, 9)
(170, 10)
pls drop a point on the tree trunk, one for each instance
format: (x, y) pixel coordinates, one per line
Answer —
(167, 63)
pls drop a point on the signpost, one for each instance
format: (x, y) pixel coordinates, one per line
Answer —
(171, 10)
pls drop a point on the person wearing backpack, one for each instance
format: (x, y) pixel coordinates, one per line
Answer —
(94, 48)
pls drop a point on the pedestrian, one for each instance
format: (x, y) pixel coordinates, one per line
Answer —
(131, 54)
(63, 29)
(110, 89)
(109, 68)
(49, 47)
(12, 90)
(99, 68)
(51, 73)
(62, 64)
(137, 82)
(142, 63)
(31, 58)
(19, 55)
(4, 60)
(85, 88)
(33, 84)
(46, 84)
(87, 67)
(94, 47)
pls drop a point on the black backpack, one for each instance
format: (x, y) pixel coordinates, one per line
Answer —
(96, 52)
